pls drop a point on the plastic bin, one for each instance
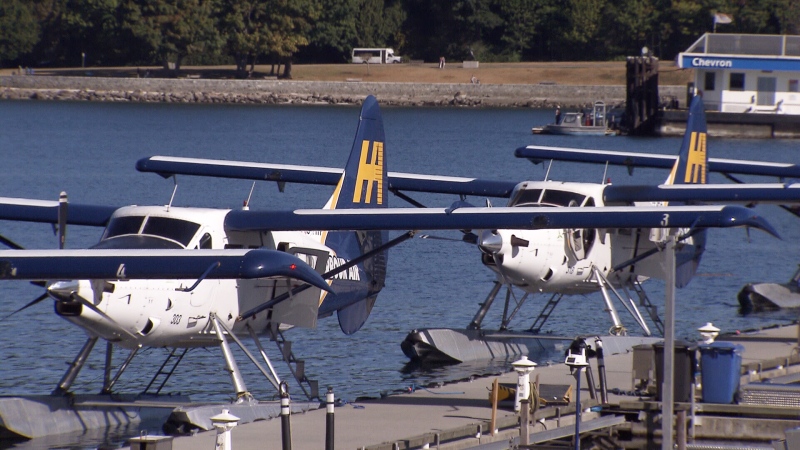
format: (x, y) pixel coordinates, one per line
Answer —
(683, 370)
(721, 369)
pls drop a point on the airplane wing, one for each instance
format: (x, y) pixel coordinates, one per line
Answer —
(538, 154)
(31, 210)
(167, 166)
(494, 218)
(725, 193)
(120, 264)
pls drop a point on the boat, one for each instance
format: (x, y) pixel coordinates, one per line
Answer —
(580, 124)
(755, 297)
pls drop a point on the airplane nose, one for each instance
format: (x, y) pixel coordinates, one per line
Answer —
(63, 290)
(490, 242)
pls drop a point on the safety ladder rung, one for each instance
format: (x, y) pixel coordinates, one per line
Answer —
(166, 374)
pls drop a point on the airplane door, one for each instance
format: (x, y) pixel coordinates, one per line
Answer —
(302, 309)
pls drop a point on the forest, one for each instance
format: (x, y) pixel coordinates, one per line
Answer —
(171, 33)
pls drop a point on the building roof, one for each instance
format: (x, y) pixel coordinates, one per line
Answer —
(743, 51)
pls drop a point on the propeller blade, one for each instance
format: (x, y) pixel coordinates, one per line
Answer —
(31, 303)
(105, 316)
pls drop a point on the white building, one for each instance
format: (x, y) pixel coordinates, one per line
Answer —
(746, 73)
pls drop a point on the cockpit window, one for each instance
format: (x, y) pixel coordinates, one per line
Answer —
(526, 197)
(175, 230)
(178, 230)
(205, 241)
(123, 225)
(562, 198)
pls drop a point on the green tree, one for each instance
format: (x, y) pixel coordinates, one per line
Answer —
(173, 29)
(334, 33)
(244, 26)
(287, 31)
(19, 31)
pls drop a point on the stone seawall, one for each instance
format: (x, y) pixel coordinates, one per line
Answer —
(304, 92)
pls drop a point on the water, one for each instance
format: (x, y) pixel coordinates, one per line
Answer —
(89, 151)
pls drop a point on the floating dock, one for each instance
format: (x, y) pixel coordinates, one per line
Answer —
(458, 415)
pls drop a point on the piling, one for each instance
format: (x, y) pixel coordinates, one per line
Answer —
(329, 424)
(286, 426)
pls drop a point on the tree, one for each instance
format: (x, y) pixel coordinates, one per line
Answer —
(173, 29)
(334, 33)
(19, 31)
(288, 28)
(244, 26)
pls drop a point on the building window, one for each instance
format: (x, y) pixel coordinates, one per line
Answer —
(793, 86)
(737, 82)
(711, 78)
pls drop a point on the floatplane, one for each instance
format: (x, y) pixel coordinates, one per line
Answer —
(609, 248)
(181, 277)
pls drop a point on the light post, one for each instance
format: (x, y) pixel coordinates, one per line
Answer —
(523, 367)
(576, 360)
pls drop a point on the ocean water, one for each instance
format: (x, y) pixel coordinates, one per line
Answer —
(89, 150)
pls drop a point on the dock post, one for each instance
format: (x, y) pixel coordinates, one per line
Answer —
(680, 429)
(286, 426)
(524, 422)
(601, 370)
(578, 408)
(329, 419)
(224, 423)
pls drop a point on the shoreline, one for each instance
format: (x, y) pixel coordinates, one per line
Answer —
(278, 92)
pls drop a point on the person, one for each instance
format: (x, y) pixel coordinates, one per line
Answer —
(441, 62)
(558, 115)
(474, 80)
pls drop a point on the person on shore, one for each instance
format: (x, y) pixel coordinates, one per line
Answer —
(441, 62)
(474, 80)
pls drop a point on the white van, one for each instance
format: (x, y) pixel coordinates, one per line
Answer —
(375, 56)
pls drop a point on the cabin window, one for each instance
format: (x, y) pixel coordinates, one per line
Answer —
(736, 82)
(178, 230)
(123, 225)
(562, 198)
(711, 78)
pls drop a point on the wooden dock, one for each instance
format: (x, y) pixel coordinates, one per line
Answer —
(458, 415)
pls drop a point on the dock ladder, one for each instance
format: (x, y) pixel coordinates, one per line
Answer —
(173, 359)
(296, 366)
(645, 302)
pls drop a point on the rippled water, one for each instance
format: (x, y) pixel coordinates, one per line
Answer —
(89, 151)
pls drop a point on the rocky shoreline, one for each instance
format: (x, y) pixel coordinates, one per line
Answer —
(60, 88)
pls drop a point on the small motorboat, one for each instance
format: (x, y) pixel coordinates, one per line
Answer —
(755, 297)
(580, 124)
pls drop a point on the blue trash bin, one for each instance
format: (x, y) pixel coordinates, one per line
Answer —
(721, 369)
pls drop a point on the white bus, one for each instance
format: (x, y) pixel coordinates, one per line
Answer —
(375, 56)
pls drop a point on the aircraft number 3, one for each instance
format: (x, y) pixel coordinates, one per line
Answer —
(176, 319)
(665, 220)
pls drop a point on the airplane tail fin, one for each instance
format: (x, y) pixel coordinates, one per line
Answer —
(691, 165)
(362, 185)
(691, 168)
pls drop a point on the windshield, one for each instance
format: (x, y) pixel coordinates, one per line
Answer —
(177, 230)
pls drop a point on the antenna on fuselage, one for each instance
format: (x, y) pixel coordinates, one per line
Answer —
(547, 174)
(249, 196)
(174, 190)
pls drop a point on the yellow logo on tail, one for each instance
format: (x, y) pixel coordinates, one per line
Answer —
(696, 160)
(370, 172)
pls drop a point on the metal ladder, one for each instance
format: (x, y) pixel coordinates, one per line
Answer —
(546, 311)
(296, 366)
(166, 374)
(644, 301)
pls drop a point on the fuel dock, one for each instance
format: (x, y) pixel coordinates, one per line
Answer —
(750, 400)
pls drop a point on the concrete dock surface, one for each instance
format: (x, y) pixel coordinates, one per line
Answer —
(459, 414)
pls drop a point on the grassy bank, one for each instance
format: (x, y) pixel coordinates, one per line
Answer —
(565, 73)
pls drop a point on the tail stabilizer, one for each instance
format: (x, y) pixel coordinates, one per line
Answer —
(692, 163)
(362, 185)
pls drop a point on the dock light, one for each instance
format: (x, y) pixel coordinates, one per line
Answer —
(224, 423)
(523, 367)
(708, 332)
(577, 360)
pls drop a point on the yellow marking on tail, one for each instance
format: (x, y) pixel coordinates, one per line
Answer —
(370, 172)
(696, 160)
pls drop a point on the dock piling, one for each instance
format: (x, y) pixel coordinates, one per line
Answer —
(329, 429)
(286, 426)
